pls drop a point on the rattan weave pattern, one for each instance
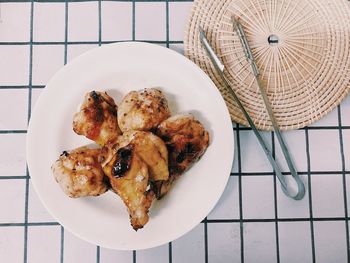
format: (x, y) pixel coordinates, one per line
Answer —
(306, 74)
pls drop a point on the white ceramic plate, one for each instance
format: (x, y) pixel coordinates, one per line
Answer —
(118, 69)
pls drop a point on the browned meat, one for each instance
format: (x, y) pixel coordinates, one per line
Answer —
(186, 140)
(97, 118)
(152, 151)
(129, 178)
(142, 110)
(79, 173)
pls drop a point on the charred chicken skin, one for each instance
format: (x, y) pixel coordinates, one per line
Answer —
(152, 151)
(129, 178)
(186, 140)
(97, 118)
(144, 150)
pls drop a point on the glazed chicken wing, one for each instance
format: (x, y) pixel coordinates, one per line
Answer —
(186, 140)
(152, 151)
(97, 118)
(79, 173)
(128, 176)
(142, 110)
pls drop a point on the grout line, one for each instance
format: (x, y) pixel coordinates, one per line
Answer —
(62, 245)
(66, 32)
(133, 19)
(99, 23)
(5, 177)
(29, 224)
(240, 194)
(205, 240)
(22, 87)
(342, 153)
(288, 173)
(270, 220)
(60, 1)
(170, 252)
(167, 22)
(98, 252)
(331, 127)
(310, 196)
(275, 200)
(12, 131)
(88, 42)
(30, 78)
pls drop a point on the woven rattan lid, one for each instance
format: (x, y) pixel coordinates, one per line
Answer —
(302, 48)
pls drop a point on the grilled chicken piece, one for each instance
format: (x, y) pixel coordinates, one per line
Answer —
(142, 110)
(97, 118)
(186, 140)
(152, 151)
(79, 173)
(128, 176)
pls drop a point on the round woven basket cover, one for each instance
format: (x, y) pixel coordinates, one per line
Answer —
(302, 49)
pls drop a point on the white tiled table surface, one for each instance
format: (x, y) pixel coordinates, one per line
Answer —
(252, 222)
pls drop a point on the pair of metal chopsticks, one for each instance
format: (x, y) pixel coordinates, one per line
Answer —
(219, 67)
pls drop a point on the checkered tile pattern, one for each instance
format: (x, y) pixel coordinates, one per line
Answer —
(252, 222)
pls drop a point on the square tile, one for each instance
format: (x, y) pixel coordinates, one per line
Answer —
(257, 197)
(324, 150)
(113, 256)
(47, 60)
(330, 242)
(252, 155)
(35, 95)
(74, 51)
(49, 22)
(228, 205)
(331, 119)
(347, 185)
(36, 210)
(345, 111)
(11, 244)
(116, 21)
(190, 247)
(295, 242)
(13, 154)
(346, 147)
(178, 16)
(14, 65)
(327, 196)
(12, 197)
(15, 22)
(234, 168)
(179, 48)
(83, 21)
(150, 21)
(224, 244)
(44, 244)
(296, 143)
(235, 158)
(13, 109)
(259, 242)
(157, 254)
(73, 244)
(289, 208)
